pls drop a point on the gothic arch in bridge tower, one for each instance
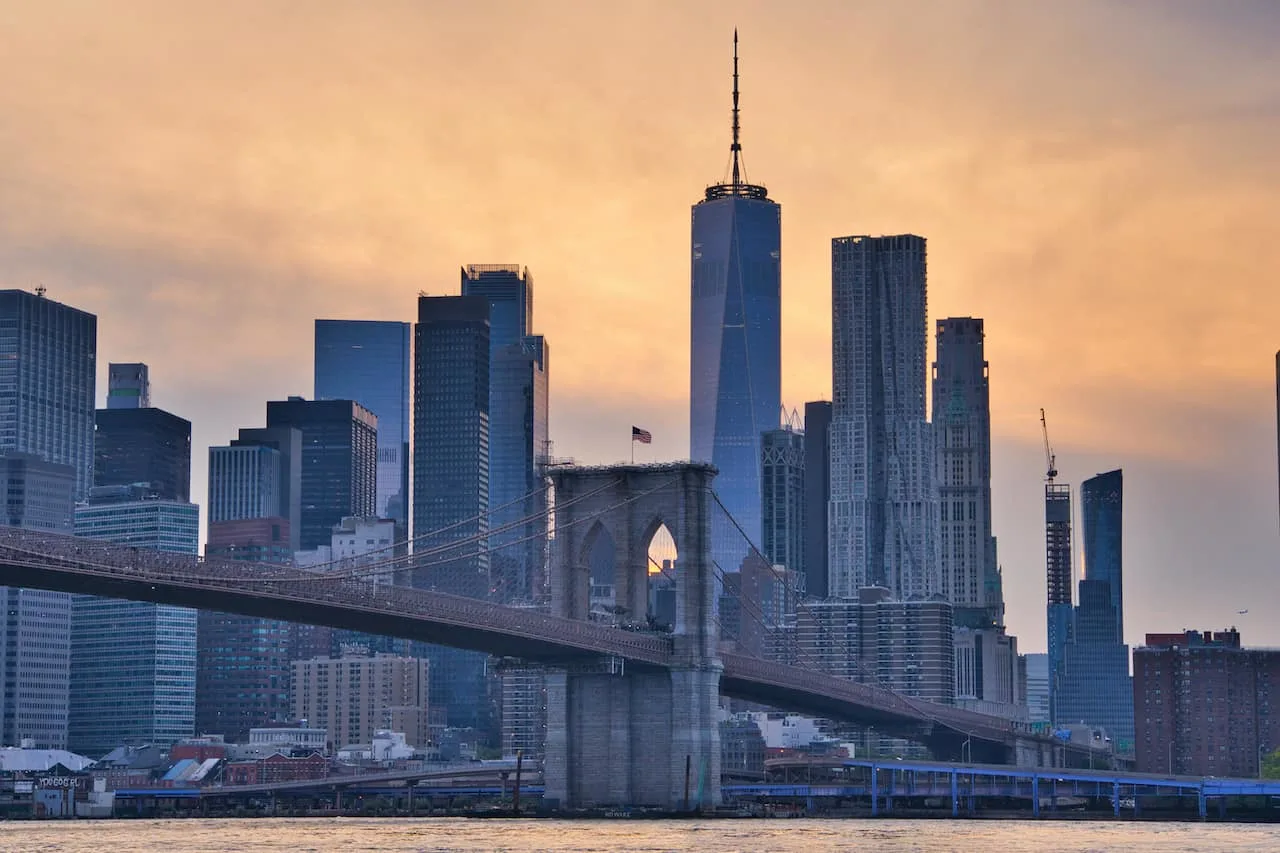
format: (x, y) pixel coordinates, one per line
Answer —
(635, 737)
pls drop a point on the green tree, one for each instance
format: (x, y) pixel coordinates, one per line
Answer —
(1271, 765)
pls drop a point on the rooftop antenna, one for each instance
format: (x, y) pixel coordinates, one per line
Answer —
(736, 147)
(40, 290)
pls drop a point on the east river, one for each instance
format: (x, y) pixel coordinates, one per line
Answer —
(720, 836)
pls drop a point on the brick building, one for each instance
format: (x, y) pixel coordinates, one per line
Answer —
(1202, 704)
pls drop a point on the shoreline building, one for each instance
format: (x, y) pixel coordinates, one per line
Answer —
(356, 694)
(369, 361)
(883, 510)
(735, 378)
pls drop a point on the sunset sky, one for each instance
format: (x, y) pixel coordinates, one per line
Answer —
(1098, 181)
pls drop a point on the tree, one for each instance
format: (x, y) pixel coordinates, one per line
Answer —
(1271, 765)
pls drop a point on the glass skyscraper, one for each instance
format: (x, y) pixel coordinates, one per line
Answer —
(735, 375)
(339, 462)
(451, 483)
(143, 445)
(133, 663)
(518, 424)
(369, 361)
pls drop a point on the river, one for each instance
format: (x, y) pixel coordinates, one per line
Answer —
(720, 836)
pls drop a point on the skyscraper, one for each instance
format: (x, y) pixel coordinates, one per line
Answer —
(817, 492)
(133, 663)
(1059, 576)
(783, 510)
(962, 432)
(35, 643)
(1094, 686)
(883, 508)
(287, 443)
(48, 357)
(244, 482)
(339, 461)
(735, 378)
(518, 429)
(128, 386)
(369, 361)
(451, 482)
(143, 445)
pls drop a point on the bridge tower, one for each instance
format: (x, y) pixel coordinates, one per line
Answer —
(634, 736)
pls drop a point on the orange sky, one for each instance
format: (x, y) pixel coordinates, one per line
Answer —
(1098, 181)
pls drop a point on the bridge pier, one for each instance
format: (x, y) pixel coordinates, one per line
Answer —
(629, 736)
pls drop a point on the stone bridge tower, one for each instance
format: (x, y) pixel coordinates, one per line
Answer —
(628, 735)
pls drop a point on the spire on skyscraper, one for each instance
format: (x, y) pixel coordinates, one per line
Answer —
(737, 185)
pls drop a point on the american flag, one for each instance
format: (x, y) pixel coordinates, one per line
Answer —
(641, 435)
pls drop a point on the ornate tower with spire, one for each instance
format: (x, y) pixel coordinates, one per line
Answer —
(735, 336)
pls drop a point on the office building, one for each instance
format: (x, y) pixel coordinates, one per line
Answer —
(1094, 684)
(143, 445)
(128, 386)
(1037, 688)
(35, 646)
(339, 461)
(287, 442)
(782, 466)
(518, 430)
(357, 694)
(48, 357)
(133, 663)
(962, 434)
(451, 483)
(369, 361)
(987, 674)
(1203, 706)
(735, 377)
(243, 663)
(883, 508)
(817, 492)
(244, 482)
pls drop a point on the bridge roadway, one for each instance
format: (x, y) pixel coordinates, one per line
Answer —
(39, 560)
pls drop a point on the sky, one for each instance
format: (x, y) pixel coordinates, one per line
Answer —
(1098, 181)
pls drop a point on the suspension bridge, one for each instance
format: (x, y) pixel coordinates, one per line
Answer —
(631, 707)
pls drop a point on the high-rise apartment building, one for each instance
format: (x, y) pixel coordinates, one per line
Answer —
(133, 663)
(883, 508)
(143, 445)
(243, 663)
(817, 492)
(128, 386)
(962, 435)
(369, 361)
(357, 694)
(1094, 686)
(339, 461)
(35, 644)
(518, 430)
(1203, 705)
(1059, 578)
(735, 377)
(48, 357)
(451, 483)
(782, 467)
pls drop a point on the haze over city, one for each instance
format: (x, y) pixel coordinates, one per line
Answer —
(1095, 181)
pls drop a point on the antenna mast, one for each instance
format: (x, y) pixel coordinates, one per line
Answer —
(736, 147)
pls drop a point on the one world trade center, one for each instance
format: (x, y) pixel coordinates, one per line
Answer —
(735, 377)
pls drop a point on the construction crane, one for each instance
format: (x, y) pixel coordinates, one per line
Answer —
(1051, 469)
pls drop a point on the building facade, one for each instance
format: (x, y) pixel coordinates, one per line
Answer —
(48, 364)
(143, 445)
(244, 482)
(1059, 580)
(782, 467)
(369, 361)
(35, 646)
(1037, 690)
(128, 386)
(1203, 705)
(883, 509)
(451, 484)
(962, 435)
(735, 371)
(287, 442)
(243, 663)
(339, 470)
(356, 695)
(817, 492)
(133, 663)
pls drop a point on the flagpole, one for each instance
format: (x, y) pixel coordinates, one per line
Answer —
(633, 447)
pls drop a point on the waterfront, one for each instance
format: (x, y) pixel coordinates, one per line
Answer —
(724, 836)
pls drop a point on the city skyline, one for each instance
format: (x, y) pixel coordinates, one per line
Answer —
(1136, 197)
